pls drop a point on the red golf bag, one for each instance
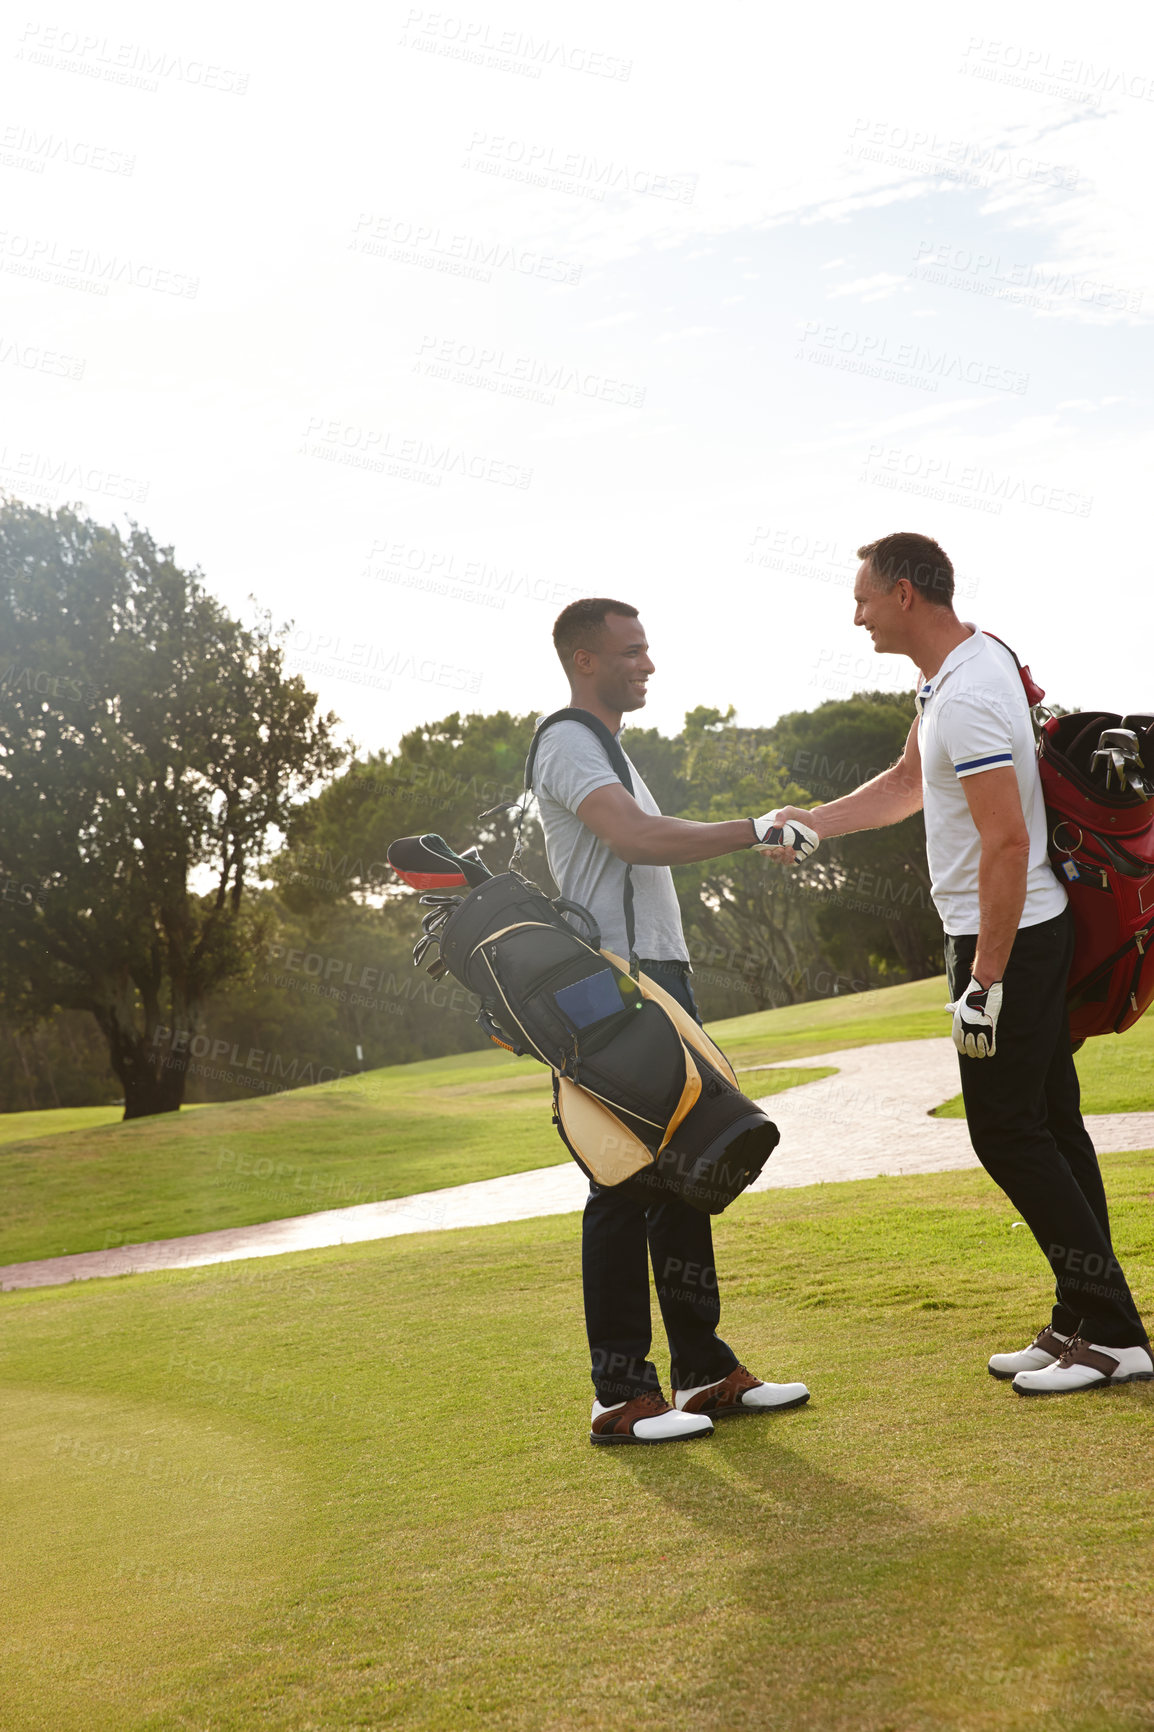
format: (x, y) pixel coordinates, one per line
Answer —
(1102, 847)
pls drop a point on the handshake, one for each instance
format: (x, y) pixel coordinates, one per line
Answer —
(782, 836)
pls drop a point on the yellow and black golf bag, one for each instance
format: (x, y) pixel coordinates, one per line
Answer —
(639, 1090)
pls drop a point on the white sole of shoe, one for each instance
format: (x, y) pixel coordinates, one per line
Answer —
(1088, 1388)
(678, 1437)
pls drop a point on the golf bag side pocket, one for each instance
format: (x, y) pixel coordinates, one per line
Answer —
(601, 1144)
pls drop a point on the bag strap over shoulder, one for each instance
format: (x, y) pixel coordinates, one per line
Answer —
(1034, 692)
(619, 764)
(596, 726)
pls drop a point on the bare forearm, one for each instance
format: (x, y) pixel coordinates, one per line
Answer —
(1001, 898)
(889, 798)
(681, 841)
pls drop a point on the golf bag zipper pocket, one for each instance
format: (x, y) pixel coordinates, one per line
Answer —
(579, 995)
(516, 1021)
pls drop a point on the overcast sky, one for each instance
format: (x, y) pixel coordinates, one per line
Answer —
(415, 323)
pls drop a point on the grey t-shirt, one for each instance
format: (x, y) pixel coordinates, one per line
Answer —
(571, 764)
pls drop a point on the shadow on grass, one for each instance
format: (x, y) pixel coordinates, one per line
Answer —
(906, 1622)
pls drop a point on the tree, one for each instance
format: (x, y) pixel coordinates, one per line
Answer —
(746, 924)
(61, 1062)
(441, 777)
(149, 744)
(857, 916)
(870, 890)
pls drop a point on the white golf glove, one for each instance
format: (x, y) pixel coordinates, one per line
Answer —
(772, 832)
(976, 1019)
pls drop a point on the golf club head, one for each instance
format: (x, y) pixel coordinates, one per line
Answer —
(1122, 740)
(428, 863)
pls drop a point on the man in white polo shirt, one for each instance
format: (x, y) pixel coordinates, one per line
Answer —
(970, 762)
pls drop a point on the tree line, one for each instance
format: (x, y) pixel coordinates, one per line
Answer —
(194, 896)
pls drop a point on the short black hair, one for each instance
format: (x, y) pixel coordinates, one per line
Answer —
(579, 626)
(916, 558)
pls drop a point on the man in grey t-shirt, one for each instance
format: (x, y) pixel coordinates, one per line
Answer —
(571, 764)
(593, 828)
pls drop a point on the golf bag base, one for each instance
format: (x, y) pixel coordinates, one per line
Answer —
(1102, 848)
(640, 1091)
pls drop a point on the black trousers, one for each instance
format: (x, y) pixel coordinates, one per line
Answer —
(1025, 1122)
(622, 1230)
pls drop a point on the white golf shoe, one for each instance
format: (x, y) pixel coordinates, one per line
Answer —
(646, 1419)
(1045, 1349)
(740, 1392)
(1086, 1366)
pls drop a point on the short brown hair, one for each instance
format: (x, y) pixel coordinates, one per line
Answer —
(579, 625)
(916, 558)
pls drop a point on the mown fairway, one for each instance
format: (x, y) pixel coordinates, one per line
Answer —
(351, 1488)
(394, 1132)
(389, 1133)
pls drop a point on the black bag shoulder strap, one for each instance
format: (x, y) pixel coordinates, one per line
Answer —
(620, 768)
(596, 726)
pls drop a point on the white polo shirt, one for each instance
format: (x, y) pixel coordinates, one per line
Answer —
(974, 717)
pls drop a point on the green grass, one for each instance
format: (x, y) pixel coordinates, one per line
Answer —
(389, 1133)
(1116, 1072)
(24, 1127)
(92, 1184)
(351, 1489)
(52, 1121)
(911, 1012)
